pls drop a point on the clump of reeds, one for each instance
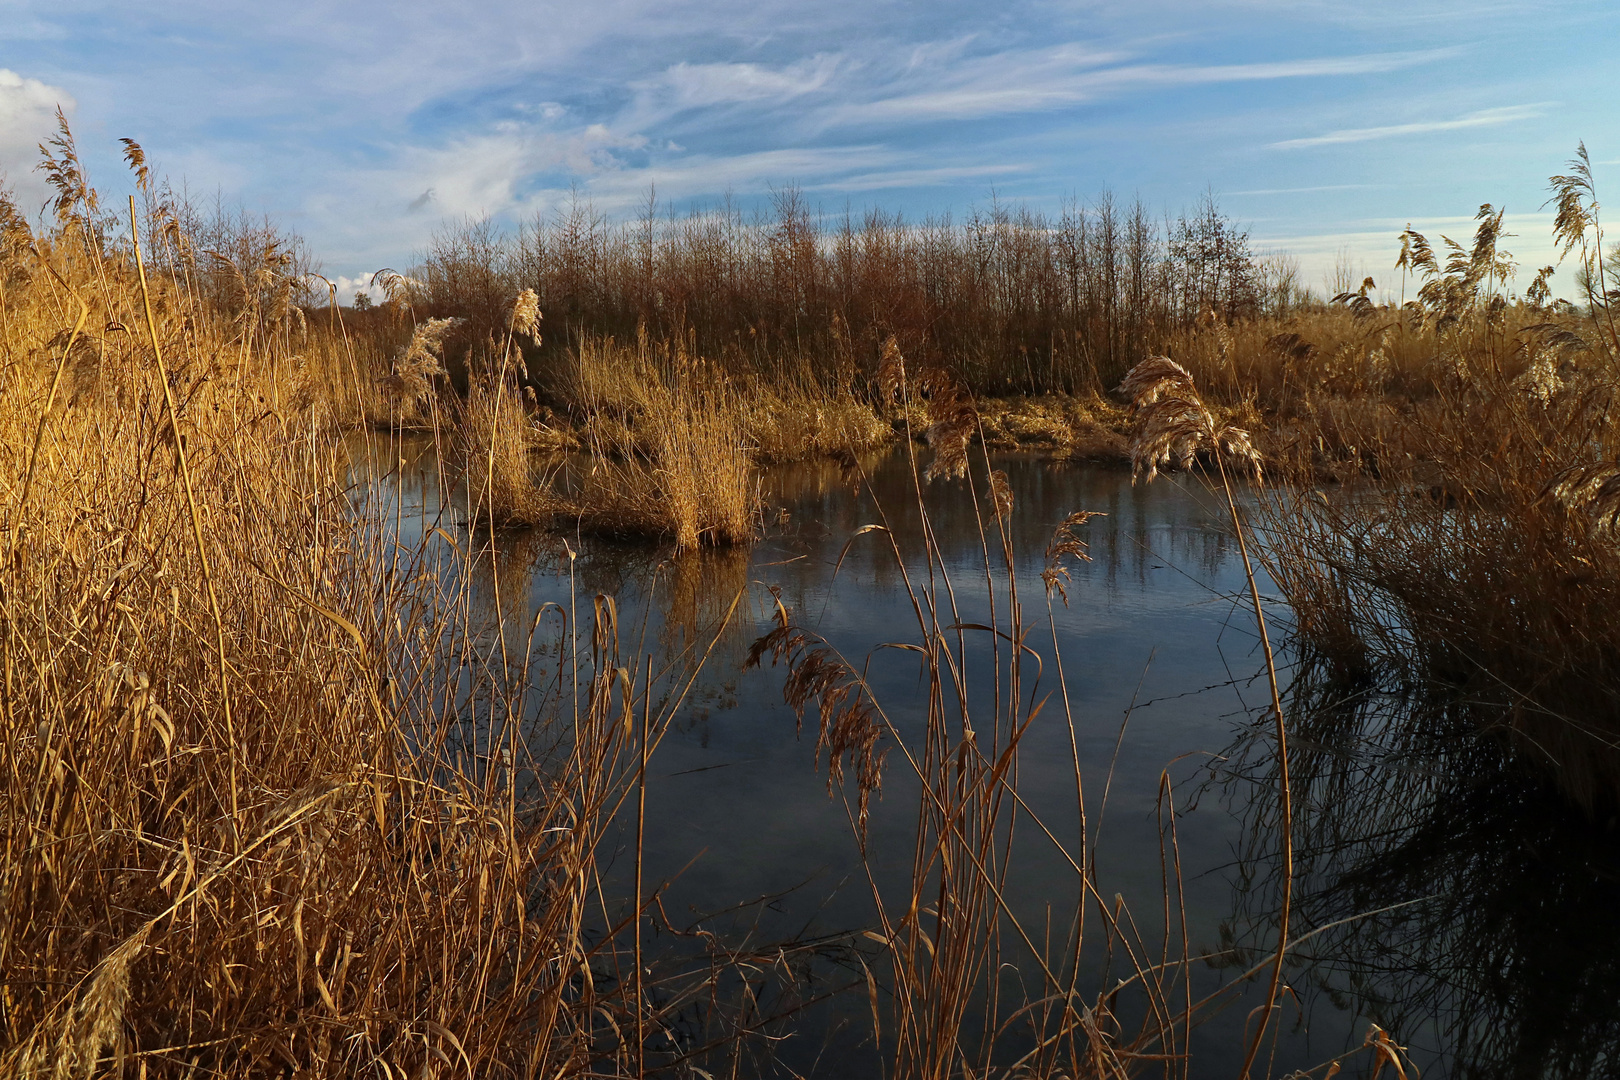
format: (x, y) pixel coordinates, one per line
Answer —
(791, 419)
(668, 449)
(266, 802)
(1480, 563)
(1062, 426)
(410, 383)
(673, 440)
(495, 435)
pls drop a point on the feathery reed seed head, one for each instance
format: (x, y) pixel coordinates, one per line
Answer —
(1064, 545)
(1173, 424)
(525, 318)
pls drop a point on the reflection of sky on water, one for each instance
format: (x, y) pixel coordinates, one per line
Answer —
(737, 806)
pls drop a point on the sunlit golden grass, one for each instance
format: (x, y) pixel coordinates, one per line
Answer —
(249, 828)
(221, 853)
(668, 453)
(1079, 427)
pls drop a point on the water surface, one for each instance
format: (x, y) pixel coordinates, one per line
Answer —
(1167, 692)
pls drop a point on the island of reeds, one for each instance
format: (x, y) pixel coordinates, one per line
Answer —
(270, 794)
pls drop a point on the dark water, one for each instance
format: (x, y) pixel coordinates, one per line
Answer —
(1500, 956)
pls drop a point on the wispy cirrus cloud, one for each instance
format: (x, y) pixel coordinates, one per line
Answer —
(1055, 77)
(838, 168)
(922, 177)
(945, 80)
(365, 128)
(692, 86)
(1510, 114)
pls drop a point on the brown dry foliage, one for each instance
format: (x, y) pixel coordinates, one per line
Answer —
(244, 834)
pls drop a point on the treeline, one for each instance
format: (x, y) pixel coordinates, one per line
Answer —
(1012, 298)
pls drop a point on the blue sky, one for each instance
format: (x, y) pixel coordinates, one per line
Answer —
(1324, 127)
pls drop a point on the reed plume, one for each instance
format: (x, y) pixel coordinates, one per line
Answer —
(1173, 424)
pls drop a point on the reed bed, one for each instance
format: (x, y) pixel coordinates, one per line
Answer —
(1478, 562)
(668, 457)
(273, 790)
(668, 443)
(267, 793)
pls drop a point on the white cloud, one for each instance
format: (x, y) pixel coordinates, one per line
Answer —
(347, 287)
(27, 118)
(696, 85)
(699, 175)
(481, 174)
(1483, 118)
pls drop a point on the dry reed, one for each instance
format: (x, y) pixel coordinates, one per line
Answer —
(266, 796)
(1479, 562)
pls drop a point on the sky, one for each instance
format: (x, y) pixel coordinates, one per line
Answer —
(1322, 127)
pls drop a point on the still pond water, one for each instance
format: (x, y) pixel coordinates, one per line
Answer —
(1500, 956)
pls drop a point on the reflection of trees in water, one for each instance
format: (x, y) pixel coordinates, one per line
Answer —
(1513, 952)
(1143, 527)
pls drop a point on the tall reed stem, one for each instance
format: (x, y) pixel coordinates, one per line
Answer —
(1285, 794)
(196, 519)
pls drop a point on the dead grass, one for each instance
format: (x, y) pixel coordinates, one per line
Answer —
(250, 829)
(793, 420)
(1474, 557)
(665, 434)
(1087, 428)
(266, 798)
(495, 436)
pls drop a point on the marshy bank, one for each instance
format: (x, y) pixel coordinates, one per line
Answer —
(320, 758)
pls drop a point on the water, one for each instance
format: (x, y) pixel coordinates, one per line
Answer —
(1167, 691)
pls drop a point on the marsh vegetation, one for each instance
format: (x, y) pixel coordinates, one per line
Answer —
(306, 773)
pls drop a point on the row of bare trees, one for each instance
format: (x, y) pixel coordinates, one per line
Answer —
(1013, 298)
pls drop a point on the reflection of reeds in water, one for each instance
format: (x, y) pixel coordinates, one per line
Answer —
(499, 573)
(1477, 904)
(699, 588)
